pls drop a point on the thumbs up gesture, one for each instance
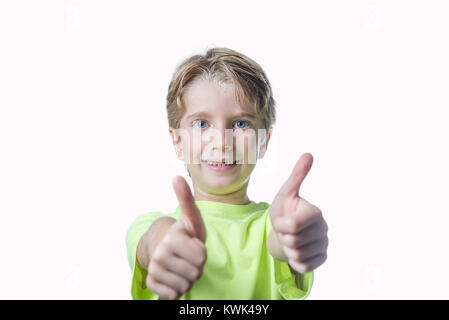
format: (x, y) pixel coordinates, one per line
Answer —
(177, 261)
(299, 226)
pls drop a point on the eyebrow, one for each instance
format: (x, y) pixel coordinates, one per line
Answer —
(206, 114)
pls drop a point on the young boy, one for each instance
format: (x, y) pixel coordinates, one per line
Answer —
(218, 244)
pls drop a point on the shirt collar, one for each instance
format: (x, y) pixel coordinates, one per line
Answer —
(216, 207)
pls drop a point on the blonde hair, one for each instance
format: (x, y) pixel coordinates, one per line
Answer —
(227, 67)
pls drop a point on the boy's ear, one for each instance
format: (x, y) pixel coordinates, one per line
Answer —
(264, 146)
(176, 139)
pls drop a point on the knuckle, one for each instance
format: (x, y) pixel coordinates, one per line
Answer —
(201, 253)
(201, 245)
(299, 267)
(298, 255)
(163, 247)
(172, 264)
(150, 283)
(292, 254)
(152, 271)
(200, 260)
(291, 240)
(155, 260)
(288, 240)
(158, 258)
(190, 286)
(282, 238)
(185, 286)
(296, 225)
(196, 273)
(171, 295)
(304, 267)
(169, 241)
(203, 256)
(292, 224)
(189, 272)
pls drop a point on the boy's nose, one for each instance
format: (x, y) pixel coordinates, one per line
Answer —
(223, 148)
(223, 140)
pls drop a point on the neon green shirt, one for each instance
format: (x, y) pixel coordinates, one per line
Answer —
(238, 265)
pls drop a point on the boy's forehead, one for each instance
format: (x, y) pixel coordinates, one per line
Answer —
(209, 97)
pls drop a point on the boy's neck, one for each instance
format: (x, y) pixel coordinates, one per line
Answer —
(239, 197)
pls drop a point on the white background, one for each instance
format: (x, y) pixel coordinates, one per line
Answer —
(85, 149)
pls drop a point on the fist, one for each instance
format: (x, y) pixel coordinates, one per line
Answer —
(299, 225)
(178, 260)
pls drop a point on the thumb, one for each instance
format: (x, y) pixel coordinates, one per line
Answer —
(291, 186)
(190, 214)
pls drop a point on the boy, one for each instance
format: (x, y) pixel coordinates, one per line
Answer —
(218, 244)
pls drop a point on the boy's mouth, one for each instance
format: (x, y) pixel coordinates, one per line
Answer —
(220, 166)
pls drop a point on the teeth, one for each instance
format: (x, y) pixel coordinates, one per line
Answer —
(219, 164)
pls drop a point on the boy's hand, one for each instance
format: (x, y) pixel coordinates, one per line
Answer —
(299, 225)
(178, 260)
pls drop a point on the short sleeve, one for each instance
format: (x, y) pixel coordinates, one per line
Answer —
(140, 225)
(289, 286)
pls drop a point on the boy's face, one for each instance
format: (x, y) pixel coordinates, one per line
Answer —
(219, 132)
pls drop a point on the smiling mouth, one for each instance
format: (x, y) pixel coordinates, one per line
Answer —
(220, 164)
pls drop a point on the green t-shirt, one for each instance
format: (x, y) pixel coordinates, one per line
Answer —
(238, 265)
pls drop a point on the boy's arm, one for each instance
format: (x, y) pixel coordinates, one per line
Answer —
(151, 239)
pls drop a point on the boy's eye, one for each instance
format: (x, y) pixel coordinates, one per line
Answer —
(241, 124)
(199, 121)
